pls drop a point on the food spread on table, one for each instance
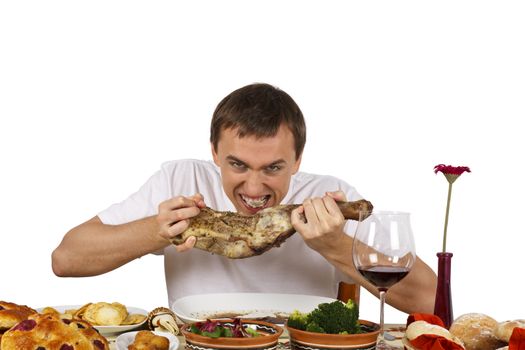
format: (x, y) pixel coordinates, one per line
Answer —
(23, 327)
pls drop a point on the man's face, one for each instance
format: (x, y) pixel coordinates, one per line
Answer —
(255, 172)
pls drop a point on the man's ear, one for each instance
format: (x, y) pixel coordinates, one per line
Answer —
(214, 154)
(296, 165)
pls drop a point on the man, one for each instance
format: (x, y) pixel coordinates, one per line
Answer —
(257, 138)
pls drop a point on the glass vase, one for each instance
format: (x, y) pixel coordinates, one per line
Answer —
(443, 302)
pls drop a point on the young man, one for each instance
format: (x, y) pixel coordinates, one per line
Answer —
(257, 138)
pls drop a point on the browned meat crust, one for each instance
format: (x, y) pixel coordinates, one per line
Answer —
(236, 236)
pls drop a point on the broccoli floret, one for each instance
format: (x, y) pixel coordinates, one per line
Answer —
(336, 317)
(314, 327)
(298, 320)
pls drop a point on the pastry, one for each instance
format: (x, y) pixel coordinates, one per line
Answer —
(146, 340)
(503, 330)
(476, 331)
(49, 332)
(11, 314)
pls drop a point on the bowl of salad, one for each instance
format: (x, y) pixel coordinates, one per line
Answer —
(331, 325)
(232, 334)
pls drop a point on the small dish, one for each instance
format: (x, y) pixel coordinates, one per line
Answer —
(125, 339)
(317, 341)
(270, 334)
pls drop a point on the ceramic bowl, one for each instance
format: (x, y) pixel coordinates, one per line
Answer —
(270, 334)
(302, 340)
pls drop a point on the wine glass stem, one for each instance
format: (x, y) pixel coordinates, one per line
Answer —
(382, 297)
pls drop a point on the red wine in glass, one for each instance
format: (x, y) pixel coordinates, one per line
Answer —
(383, 277)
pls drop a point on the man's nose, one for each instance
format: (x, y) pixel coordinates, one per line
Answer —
(254, 185)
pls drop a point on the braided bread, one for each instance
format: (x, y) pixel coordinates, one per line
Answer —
(49, 332)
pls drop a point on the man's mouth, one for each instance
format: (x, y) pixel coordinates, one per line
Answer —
(255, 202)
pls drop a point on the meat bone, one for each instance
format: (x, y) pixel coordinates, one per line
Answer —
(237, 236)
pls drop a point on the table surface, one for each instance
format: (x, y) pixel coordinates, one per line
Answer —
(397, 330)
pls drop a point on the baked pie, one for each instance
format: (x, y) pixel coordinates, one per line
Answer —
(50, 332)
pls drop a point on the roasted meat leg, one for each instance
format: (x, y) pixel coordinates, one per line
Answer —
(236, 236)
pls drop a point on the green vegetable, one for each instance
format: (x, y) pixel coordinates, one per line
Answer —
(251, 332)
(226, 332)
(333, 318)
(298, 320)
(217, 332)
(314, 327)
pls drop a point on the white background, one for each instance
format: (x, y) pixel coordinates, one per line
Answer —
(95, 95)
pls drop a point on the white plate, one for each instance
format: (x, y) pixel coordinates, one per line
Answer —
(126, 339)
(195, 308)
(104, 330)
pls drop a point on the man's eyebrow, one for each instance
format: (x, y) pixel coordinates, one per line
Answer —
(277, 162)
(235, 159)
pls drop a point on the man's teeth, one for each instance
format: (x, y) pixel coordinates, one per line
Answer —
(255, 202)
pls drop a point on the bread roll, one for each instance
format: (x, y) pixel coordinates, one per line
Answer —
(146, 340)
(417, 328)
(476, 331)
(503, 330)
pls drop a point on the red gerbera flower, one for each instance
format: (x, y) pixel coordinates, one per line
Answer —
(451, 174)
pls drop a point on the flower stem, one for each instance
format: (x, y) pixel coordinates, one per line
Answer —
(446, 217)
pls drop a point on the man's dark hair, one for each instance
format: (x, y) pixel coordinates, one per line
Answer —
(259, 110)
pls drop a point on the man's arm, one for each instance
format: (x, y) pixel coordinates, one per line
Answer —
(93, 247)
(323, 232)
(414, 293)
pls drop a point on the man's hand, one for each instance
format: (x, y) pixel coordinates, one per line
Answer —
(324, 221)
(174, 218)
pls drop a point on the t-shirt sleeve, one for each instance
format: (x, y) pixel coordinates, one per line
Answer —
(141, 204)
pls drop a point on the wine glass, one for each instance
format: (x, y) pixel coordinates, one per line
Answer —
(383, 252)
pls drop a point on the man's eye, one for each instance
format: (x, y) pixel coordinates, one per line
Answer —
(273, 168)
(237, 165)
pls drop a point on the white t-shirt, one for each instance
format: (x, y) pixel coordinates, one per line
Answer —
(291, 268)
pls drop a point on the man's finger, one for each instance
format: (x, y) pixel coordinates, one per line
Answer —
(177, 228)
(178, 202)
(187, 245)
(198, 199)
(337, 195)
(309, 212)
(297, 218)
(181, 214)
(331, 206)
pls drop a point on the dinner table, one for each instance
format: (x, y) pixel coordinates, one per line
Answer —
(396, 331)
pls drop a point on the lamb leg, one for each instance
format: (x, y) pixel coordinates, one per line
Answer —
(236, 236)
